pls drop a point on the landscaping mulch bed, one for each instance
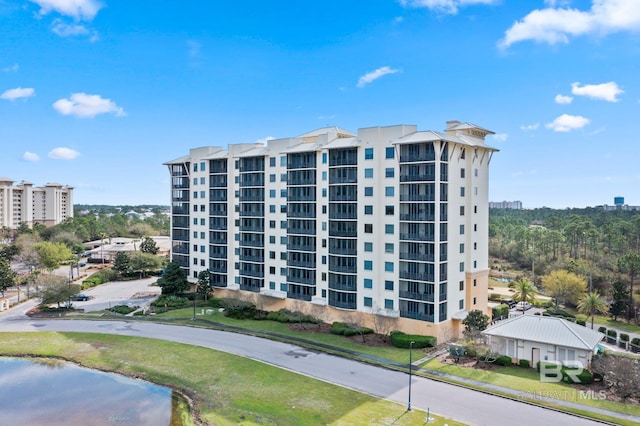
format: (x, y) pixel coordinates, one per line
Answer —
(373, 340)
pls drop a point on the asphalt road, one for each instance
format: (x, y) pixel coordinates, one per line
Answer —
(448, 400)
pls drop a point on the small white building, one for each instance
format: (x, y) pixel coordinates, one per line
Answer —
(540, 338)
(98, 251)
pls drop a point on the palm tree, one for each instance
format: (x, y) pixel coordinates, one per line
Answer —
(592, 303)
(525, 292)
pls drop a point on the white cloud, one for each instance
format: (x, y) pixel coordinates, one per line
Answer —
(566, 123)
(84, 105)
(264, 141)
(17, 93)
(444, 6)
(556, 25)
(374, 75)
(500, 137)
(30, 157)
(62, 153)
(67, 30)
(529, 127)
(12, 68)
(84, 10)
(606, 91)
(562, 99)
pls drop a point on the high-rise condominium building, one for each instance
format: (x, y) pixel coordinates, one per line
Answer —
(23, 203)
(388, 221)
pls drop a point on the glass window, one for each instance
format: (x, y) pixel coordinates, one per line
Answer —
(324, 193)
(389, 172)
(388, 229)
(272, 255)
(462, 191)
(461, 304)
(324, 175)
(368, 191)
(202, 194)
(324, 158)
(368, 173)
(272, 285)
(389, 191)
(461, 285)
(462, 173)
(368, 265)
(195, 194)
(461, 229)
(388, 304)
(368, 302)
(195, 181)
(389, 210)
(324, 260)
(461, 248)
(283, 193)
(283, 272)
(283, 240)
(272, 239)
(368, 153)
(195, 234)
(283, 224)
(389, 152)
(283, 161)
(368, 283)
(461, 266)
(283, 208)
(283, 255)
(283, 286)
(202, 181)
(202, 249)
(368, 228)
(388, 247)
(272, 161)
(272, 177)
(368, 209)
(388, 285)
(202, 168)
(202, 221)
(195, 220)
(195, 167)
(461, 210)
(272, 224)
(368, 246)
(324, 226)
(388, 266)
(272, 208)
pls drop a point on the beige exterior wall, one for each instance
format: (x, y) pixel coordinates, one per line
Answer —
(23, 203)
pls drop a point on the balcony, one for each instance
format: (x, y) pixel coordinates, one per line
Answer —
(416, 316)
(343, 287)
(344, 269)
(301, 247)
(251, 273)
(301, 231)
(301, 280)
(416, 276)
(342, 305)
(247, 258)
(344, 216)
(418, 158)
(351, 234)
(343, 251)
(310, 264)
(418, 178)
(417, 197)
(417, 237)
(417, 256)
(248, 243)
(426, 297)
(424, 217)
(298, 296)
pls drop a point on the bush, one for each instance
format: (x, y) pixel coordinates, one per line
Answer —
(500, 311)
(504, 361)
(612, 333)
(494, 297)
(344, 329)
(524, 363)
(170, 302)
(635, 345)
(285, 316)
(624, 337)
(581, 322)
(402, 340)
(215, 303)
(122, 309)
(602, 330)
(240, 310)
(584, 377)
(560, 313)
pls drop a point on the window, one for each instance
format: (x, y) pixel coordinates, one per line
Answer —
(368, 228)
(283, 193)
(202, 167)
(272, 208)
(368, 247)
(368, 302)
(462, 173)
(272, 285)
(283, 208)
(283, 177)
(475, 282)
(202, 221)
(462, 191)
(272, 239)
(461, 285)
(461, 304)
(195, 181)
(461, 248)
(388, 229)
(461, 266)
(324, 192)
(461, 210)
(324, 226)
(475, 246)
(283, 272)
(195, 220)
(461, 229)
(283, 255)
(272, 255)
(283, 224)
(388, 304)
(475, 172)
(389, 153)
(283, 286)
(202, 194)
(195, 261)
(324, 242)
(475, 227)
(324, 278)
(324, 260)
(272, 177)
(389, 172)
(195, 194)
(237, 164)
(283, 161)
(368, 209)
(202, 249)
(474, 300)
(195, 167)
(388, 285)
(283, 240)
(202, 235)
(272, 193)
(389, 191)
(324, 209)
(368, 283)
(203, 208)
(475, 209)
(389, 210)
(324, 158)
(272, 270)
(388, 247)
(368, 153)
(202, 181)
(368, 191)
(368, 265)
(475, 264)
(272, 162)
(368, 173)
(324, 175)
(272, 224)
(324, 293)
(388, 266)
(463, 153)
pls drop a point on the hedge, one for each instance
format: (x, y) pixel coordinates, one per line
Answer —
(602, 330)
(635, 345)
(500, 311)
(285, 316)
(581, 322)
(560, 313)
(343, 329)
(402, 340)
(504, 361)
(624, 337)
(524, 363)
(612, 333)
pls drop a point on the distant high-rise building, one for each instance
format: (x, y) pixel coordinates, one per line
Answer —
(618, 204)
(515, 205)
(24, 203)
(387, 222)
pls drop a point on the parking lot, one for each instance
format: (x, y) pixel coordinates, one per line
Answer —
(132, 293)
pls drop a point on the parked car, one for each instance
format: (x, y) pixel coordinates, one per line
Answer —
(80, 297)
(509, 302)
(523, 306)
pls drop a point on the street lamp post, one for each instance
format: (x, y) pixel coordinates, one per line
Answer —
(410, 370)
(195, 296)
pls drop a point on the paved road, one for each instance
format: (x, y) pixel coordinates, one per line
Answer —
(465, 405)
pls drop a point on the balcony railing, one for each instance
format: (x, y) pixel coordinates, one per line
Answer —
(416, 316)
(419, 276)
(427, 297)
(417, 256)
(342, 305)
(418, 217)
(417, 237)
(417, 197)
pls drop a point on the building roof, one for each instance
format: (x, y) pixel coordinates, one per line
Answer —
(467, 126)
(324, 130)
(549, 330)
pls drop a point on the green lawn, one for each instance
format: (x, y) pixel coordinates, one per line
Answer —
(527, 381)
(226, 389)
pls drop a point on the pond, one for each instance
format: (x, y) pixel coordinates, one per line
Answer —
(37, 392)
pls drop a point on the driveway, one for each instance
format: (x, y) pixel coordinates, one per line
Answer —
(133, 293)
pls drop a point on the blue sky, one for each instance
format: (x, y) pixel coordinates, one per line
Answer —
(98, 94)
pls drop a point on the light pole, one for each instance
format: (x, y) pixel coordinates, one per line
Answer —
(410, 370)
(195, 296)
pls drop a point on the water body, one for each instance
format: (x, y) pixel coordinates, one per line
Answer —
(58, 393)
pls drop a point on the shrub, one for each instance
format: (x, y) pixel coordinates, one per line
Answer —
(284, 316)
(504, 361)
(524, 363)
(560, 313)
(402, 340)
(624, 337)
(344, 329)
(122, 309)
(612, 333)
(584, 377)
(500, 311)
(240, 310)
(494, 297)
(215, 303)
(170, 302)
(635, 345)
(602, 330)
(581, 322)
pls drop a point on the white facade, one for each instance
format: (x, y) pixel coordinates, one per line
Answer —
(24, 203)
(390, 220)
